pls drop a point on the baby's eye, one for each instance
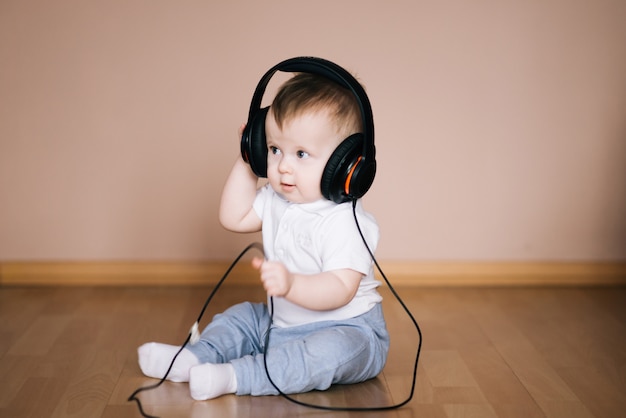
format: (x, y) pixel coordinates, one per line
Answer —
(302, 154)
(274, 150)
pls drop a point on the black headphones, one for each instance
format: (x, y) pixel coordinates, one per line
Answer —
(351, 168)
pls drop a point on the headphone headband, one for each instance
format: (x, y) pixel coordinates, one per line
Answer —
(331, 71)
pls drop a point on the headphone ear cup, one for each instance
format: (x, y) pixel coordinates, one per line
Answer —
(338, 178)
(254, 144)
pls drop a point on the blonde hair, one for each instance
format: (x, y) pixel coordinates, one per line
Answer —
(306, 92)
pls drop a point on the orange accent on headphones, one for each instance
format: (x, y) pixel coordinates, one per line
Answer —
(349, 177)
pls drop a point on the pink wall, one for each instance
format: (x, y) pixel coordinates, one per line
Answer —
(501, 126)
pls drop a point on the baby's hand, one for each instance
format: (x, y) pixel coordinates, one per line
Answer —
(277, 280)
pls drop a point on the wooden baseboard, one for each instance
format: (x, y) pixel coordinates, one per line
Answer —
(398, 273)
(507, 273)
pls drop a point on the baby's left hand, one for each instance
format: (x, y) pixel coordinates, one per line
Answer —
(276, 279)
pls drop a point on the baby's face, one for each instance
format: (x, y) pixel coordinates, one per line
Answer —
(297, 155)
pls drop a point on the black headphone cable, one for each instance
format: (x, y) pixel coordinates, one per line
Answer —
(406, 309)
(193, 331)
(193, 335)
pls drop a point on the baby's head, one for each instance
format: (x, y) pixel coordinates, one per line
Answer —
(309, 117)
(310, 93)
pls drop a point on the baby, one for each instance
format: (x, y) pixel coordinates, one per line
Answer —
(327, 324)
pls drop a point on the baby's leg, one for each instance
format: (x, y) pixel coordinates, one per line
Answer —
(235, 333)
(313, 362)
(155, 359)
(305, 358)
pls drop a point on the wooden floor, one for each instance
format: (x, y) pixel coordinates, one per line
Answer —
(488, 352)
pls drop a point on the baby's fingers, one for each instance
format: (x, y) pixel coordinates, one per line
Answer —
(257, 262)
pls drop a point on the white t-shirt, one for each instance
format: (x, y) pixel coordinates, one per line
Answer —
(310, 238)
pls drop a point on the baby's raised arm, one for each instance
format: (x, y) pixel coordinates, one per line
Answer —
(236, 212)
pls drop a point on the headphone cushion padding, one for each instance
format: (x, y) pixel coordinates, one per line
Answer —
(338, 167)
(258, 143)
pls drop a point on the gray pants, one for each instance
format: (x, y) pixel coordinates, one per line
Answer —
(299, 359)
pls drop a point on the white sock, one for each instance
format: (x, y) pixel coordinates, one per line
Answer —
(155, 359)
(208, 381)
